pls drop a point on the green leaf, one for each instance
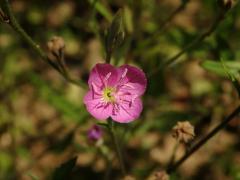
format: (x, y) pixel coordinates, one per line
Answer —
(229, 69)
(128, 19)
(217, 67)
(232, 77)
(64, 171)
(101, 9)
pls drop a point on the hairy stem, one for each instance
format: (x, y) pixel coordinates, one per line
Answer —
(223, 124)
(117, 147)
(12, 21)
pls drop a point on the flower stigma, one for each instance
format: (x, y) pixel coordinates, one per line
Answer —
(108, 94)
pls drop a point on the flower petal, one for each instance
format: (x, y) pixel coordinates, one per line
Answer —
(103, 75)
(133, 80)
(126, 111)
(96, 107)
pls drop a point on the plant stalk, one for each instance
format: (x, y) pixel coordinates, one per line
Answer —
(117, 147)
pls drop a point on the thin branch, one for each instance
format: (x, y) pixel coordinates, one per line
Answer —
(223, 124)
(199, 39)
(172, 60)
(164, 25)
(12, 21)
(16, 26)
(180, 8)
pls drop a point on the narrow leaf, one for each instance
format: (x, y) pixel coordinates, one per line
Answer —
(232, 78)
(217, 67)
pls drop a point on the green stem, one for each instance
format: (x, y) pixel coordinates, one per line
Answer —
(108, 58)
(16, 26)
(204, 140)
(117, 146)
(12, 21)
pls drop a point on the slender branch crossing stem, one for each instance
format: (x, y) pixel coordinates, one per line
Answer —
(204, 140)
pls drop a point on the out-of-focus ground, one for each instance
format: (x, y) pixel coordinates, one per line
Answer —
(43, 122)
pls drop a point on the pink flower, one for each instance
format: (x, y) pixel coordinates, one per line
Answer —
(115, 92)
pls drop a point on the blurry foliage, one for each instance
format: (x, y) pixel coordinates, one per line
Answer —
(64, 171)
(43, 122)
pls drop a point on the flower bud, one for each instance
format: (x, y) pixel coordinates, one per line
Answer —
(94, 133)
(115, 34)
(183, 132)
(56, 45)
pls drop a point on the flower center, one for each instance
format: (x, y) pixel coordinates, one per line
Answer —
(108, 94)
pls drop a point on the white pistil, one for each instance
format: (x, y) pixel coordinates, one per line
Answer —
(107, 76)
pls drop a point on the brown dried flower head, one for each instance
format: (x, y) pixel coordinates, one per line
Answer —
(183, 132)
(55, 45)
(161, 175)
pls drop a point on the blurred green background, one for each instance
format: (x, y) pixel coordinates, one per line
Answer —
(43, 121)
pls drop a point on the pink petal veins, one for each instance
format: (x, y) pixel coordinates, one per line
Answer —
(126, 114)
(102, 75)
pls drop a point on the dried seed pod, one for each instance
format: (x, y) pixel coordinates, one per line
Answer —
(183, 132)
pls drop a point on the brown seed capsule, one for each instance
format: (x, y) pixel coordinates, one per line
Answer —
(55, 45)
(183, 132)
(161, 175)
